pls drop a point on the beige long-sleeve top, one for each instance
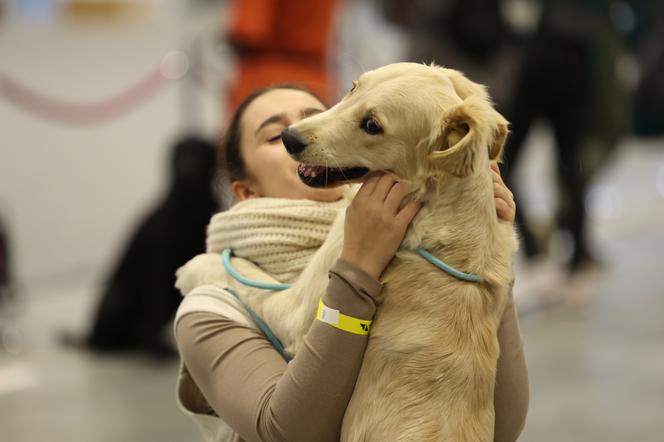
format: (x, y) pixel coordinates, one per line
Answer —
(247, 383)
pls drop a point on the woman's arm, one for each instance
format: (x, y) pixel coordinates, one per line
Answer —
(510, 396)
(511, 392)
(251, 387)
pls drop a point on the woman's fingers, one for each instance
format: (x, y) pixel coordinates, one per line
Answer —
(503, 197)
(504, 211)
(497, 177)
(495, 174)
(383, 187)
(500, 189)
(369, 185)
(395, 196)
(408, 212)
(373, 229)
(502, 193)
(494, 166)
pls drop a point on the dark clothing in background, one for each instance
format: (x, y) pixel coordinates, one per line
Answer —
(649, 95)
(5, 276)
(140, 297)
(4, 259)
(471, 36)
(568, 77)
(564, 73)
(553, 86)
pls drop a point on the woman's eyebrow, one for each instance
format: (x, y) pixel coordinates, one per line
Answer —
(311, 111)
(283, 118)
(276, 118)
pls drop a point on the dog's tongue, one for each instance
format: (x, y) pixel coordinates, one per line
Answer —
(307, 170)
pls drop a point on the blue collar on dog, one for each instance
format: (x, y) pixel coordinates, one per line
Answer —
(226, 258)
(262, 325)
(447, 268)
(227, 253)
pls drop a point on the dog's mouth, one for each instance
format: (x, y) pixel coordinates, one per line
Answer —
(321, 176)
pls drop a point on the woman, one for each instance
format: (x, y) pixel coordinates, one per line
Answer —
(233, 381)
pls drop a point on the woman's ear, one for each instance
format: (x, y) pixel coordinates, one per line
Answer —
(244, 190)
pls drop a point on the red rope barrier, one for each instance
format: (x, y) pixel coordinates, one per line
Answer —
(61, 111)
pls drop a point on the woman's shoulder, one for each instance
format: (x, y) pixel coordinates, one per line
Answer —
(213, 299)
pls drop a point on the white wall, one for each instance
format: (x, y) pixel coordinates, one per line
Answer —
(71, 193)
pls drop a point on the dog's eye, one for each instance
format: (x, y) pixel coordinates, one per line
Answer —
(370, 126)
(354, 86)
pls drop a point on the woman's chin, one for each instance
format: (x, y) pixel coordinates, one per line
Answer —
(327, 195)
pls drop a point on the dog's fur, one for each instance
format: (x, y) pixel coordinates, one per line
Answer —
(429, 370)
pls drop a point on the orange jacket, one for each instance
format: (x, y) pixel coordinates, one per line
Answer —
(282, 41)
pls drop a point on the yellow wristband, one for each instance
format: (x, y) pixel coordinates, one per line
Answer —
(341, 321)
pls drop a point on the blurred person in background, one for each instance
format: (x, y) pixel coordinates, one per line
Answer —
(281, 41)
(569, 77)
(140, 298)
(233, 382)
(472, 36)
(648, 40)
(6, 287)
(5, 281)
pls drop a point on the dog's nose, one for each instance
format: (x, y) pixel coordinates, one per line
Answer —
(294, 144)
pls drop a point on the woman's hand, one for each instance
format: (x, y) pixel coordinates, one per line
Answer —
(503, 197)
(375, 225)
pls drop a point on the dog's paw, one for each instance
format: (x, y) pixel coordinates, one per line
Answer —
(206, 268)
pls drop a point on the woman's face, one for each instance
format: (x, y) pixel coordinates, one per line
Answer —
(271, 172)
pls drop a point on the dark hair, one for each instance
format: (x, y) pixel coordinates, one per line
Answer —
(230, 156)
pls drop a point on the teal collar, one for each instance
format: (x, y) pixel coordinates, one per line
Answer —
(447, 268)
(226, 259)
(227, 253)
(262, 325)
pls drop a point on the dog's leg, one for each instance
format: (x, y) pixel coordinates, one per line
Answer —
(428, 373)
(290, 313)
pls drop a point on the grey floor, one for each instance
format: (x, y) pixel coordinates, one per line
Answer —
(594, 345)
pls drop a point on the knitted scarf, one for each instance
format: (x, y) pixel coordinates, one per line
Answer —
(279, 235)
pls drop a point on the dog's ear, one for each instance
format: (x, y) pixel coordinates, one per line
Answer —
(452, 153)
(464, 87)
(464, 128)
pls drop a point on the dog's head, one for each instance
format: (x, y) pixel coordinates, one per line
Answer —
(412, 120)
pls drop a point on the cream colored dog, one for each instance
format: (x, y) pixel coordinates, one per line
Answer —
(429, 370)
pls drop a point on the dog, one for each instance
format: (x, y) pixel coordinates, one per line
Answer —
(429, 370)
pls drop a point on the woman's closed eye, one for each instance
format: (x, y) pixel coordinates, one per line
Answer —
(274, 138)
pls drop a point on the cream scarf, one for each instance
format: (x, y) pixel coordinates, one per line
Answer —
(279, 235)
